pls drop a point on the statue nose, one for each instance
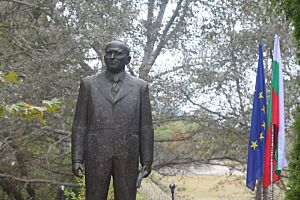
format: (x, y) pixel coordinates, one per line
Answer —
(112, 55)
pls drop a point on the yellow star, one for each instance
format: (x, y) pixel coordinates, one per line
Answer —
(254, 145)
(263, 109)
(260, 96)
(264, 124)
(261, 136)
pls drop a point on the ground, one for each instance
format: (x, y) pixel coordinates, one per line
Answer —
(209, 186)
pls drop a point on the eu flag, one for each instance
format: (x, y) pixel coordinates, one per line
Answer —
(258, 128)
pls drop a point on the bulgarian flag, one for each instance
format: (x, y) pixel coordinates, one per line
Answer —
(275, 118)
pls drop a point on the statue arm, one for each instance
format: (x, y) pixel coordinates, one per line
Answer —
(146, 132)
(79, 130)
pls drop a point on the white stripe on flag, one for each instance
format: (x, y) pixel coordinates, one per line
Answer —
(281, 132)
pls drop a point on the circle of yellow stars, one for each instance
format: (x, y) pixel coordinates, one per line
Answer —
(254, 144)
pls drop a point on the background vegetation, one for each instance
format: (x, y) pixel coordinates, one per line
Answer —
(294, 180)
(199, 58)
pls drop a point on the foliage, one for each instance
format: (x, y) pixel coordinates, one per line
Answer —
(48, 44)
(291, 9)
(23, 109)
(174, 129)
(9, 77)
(30, 112)
(294, 166)
(199, 68)
(178, 141)
(71, 195)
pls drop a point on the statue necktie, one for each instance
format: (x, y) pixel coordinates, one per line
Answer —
(114, 88)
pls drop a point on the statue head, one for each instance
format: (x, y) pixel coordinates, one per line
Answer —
(116, 56)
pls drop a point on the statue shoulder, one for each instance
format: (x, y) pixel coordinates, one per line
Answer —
(93, 78)
(138, 81)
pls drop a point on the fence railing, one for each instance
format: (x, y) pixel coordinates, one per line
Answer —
(149, 189)
(153, 192)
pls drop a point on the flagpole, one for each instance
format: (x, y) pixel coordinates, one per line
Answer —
(272, 161)
(261, 190)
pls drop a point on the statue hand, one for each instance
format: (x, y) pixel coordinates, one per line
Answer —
(147, 170)
(78, 169)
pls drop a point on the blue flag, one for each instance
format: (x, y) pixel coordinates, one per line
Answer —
(256, 145)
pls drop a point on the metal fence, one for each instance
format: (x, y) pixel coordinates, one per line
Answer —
(152, 194)
(148, 189)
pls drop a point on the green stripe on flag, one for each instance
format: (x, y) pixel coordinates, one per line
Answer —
(275, 76)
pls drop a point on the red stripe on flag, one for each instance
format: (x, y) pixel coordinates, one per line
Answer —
(267, 163)
(275, 108)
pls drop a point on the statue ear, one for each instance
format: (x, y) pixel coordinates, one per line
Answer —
(128, 60)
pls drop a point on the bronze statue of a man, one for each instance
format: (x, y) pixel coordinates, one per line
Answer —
(112, 129)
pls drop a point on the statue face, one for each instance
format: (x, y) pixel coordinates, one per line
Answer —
(116, 56)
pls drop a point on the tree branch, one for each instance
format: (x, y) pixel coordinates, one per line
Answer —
(35, 181)
(58, 131)
(150, 41)
(163, 39)
(211, 161)
(22, 3)
(159, 18)
(202, 107)
(178, 139)
(50, 147)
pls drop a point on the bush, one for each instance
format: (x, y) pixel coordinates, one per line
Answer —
(73, 195)
(293, 191)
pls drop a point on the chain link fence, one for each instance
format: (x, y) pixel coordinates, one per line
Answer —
(153, 192)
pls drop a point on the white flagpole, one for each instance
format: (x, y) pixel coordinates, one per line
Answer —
(261, 190)
(272, 161)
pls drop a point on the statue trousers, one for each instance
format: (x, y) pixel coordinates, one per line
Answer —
(109, 154)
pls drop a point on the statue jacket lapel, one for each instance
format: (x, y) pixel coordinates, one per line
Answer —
(103, 87)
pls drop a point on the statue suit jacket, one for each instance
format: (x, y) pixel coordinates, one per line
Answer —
(97, 114)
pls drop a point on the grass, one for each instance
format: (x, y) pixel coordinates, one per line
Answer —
(208, 187)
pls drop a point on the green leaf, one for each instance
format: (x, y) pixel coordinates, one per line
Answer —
(2, 111)
(27, 111)
(52, 105)
(39, 109)
(53, 101)
(2, 80)
(1, 29)
(25, 105)
(41, 118)
(13, 108)
(11, 77)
